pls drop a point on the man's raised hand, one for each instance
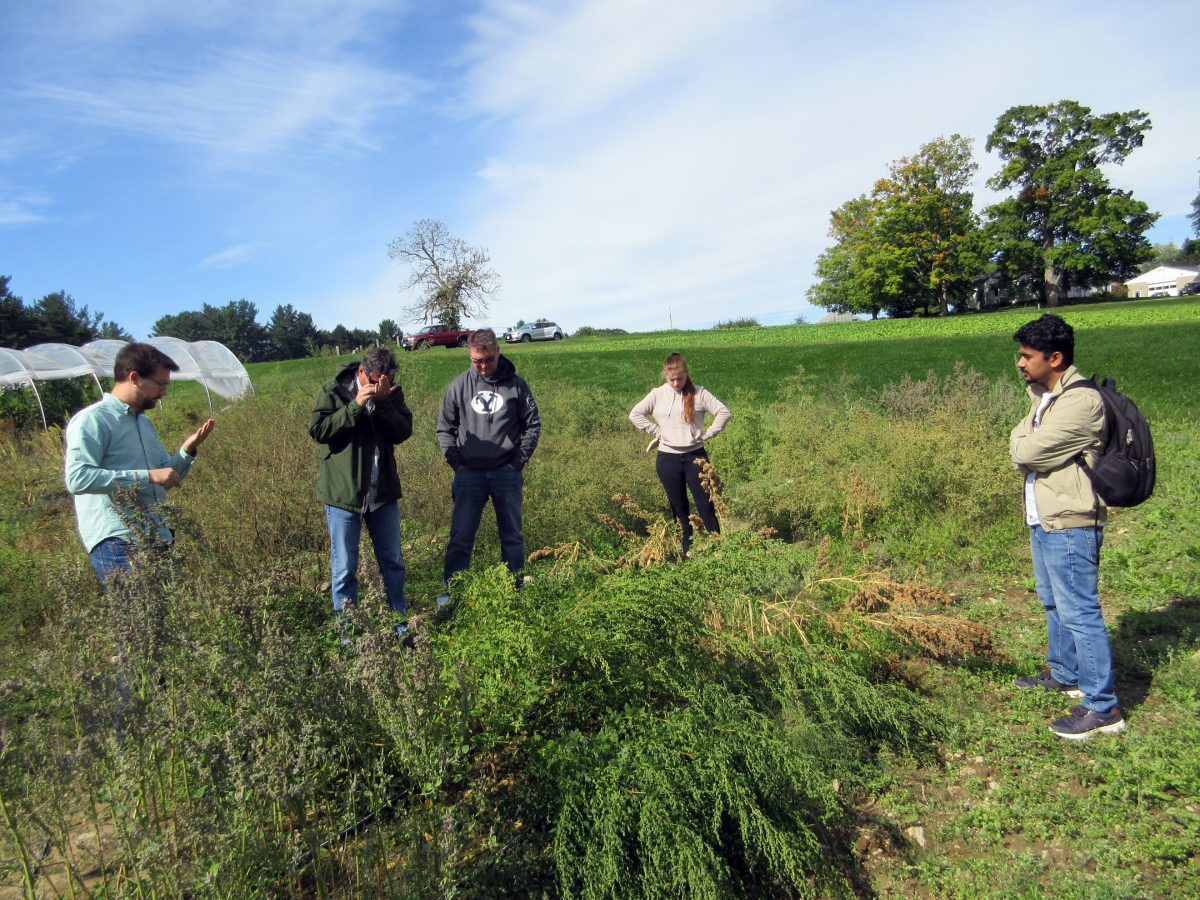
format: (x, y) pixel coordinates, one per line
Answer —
(366, 393)
(383, 389)
(195, 440)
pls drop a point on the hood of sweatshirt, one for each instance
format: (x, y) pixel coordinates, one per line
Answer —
(484, 421)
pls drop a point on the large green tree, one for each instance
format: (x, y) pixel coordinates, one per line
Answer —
(55, 319)
(926, 221)
(291, 332)
(907, 245)
(1065, 225)
(848, 273)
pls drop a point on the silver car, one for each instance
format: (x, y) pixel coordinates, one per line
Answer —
(536, 331)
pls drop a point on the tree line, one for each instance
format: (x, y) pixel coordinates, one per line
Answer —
(289, 334)
(915, 242)
(54, 319)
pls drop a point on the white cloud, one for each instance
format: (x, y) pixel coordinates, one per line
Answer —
(241, 104)
(17, 214)
(657, 155)
(234, 256)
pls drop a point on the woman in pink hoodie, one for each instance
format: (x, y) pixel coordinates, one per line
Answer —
(678, 408)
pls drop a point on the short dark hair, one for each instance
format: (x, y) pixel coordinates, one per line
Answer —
(379, 361)
(145, 359)
(1048, 334)
(484, 339)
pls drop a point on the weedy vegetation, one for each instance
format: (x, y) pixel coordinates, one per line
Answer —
(816, 703)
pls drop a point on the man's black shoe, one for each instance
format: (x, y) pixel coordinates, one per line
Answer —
(408, 637)
(1081, 723)
(1048, 682)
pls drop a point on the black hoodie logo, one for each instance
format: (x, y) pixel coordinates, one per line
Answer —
(487, 403)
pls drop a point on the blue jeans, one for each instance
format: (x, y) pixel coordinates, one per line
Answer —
(345, 528)
(110, 557)
(471, 490)
(1066, 564)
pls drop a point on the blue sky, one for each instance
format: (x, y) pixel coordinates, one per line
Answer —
(627, 162)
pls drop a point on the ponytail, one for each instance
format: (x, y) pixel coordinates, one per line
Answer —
(673, 365)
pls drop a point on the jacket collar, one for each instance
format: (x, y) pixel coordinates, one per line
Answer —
(1070, 376)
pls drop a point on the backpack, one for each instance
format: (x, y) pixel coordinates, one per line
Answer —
(1124, 474)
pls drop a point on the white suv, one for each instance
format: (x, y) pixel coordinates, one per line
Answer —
(537, 331)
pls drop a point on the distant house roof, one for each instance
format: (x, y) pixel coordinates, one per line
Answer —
(838, 317)
(1165, 273)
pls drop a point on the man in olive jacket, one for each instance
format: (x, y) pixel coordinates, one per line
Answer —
(1065, 519)
(358, 418)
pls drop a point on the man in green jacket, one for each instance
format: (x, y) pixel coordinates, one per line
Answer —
(1066, 526)
(358, 418)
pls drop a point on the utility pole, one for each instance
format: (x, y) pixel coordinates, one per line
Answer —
(670, 318)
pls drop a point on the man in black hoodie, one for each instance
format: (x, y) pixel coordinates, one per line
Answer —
(488, 429)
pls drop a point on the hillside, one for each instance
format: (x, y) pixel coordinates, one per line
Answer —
(819, 703)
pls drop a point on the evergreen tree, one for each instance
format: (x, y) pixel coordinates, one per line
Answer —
(235, 325)
(291, 333)
(14, 317)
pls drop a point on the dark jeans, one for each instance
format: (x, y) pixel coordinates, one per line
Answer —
(1066, 564)
(345, 529)
(471, 490)
(678, 472)
(110, 557)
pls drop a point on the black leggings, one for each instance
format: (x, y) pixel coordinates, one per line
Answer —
(678, 472)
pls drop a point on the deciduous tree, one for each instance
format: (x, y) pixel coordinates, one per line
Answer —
(926, 221)
(1066, 225)
(454, 279)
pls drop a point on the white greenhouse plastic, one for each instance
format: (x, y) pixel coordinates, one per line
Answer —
(209, 362)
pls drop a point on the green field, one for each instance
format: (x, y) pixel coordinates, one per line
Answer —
(823, 709)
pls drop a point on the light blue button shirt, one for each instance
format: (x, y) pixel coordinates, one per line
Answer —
(110, 446)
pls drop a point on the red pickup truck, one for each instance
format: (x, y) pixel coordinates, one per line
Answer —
(432, 335)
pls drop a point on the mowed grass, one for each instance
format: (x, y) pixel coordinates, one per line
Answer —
(1150, 361)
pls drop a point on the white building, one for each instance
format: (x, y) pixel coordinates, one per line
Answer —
(1163, 281)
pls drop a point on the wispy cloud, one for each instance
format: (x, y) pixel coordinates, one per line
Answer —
(227, 259)
(20, 211)
(242, 104)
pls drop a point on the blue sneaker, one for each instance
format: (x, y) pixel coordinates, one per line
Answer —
(1048, 682)
(1081, 723)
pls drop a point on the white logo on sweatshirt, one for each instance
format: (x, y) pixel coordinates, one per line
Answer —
(487, 403)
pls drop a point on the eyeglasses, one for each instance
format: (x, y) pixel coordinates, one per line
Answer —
(483, 361)
(162, 384)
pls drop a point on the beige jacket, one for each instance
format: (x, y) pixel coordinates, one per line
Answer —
(675, 434)
(1071, 424)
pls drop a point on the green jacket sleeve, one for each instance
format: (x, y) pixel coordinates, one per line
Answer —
(394, 419)
(330, 418)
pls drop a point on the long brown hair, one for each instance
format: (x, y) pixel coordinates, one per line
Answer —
(675, 365)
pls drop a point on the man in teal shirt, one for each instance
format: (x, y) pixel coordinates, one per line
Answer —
(112, 445)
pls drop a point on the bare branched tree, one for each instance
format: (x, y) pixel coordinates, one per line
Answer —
(454, 279)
